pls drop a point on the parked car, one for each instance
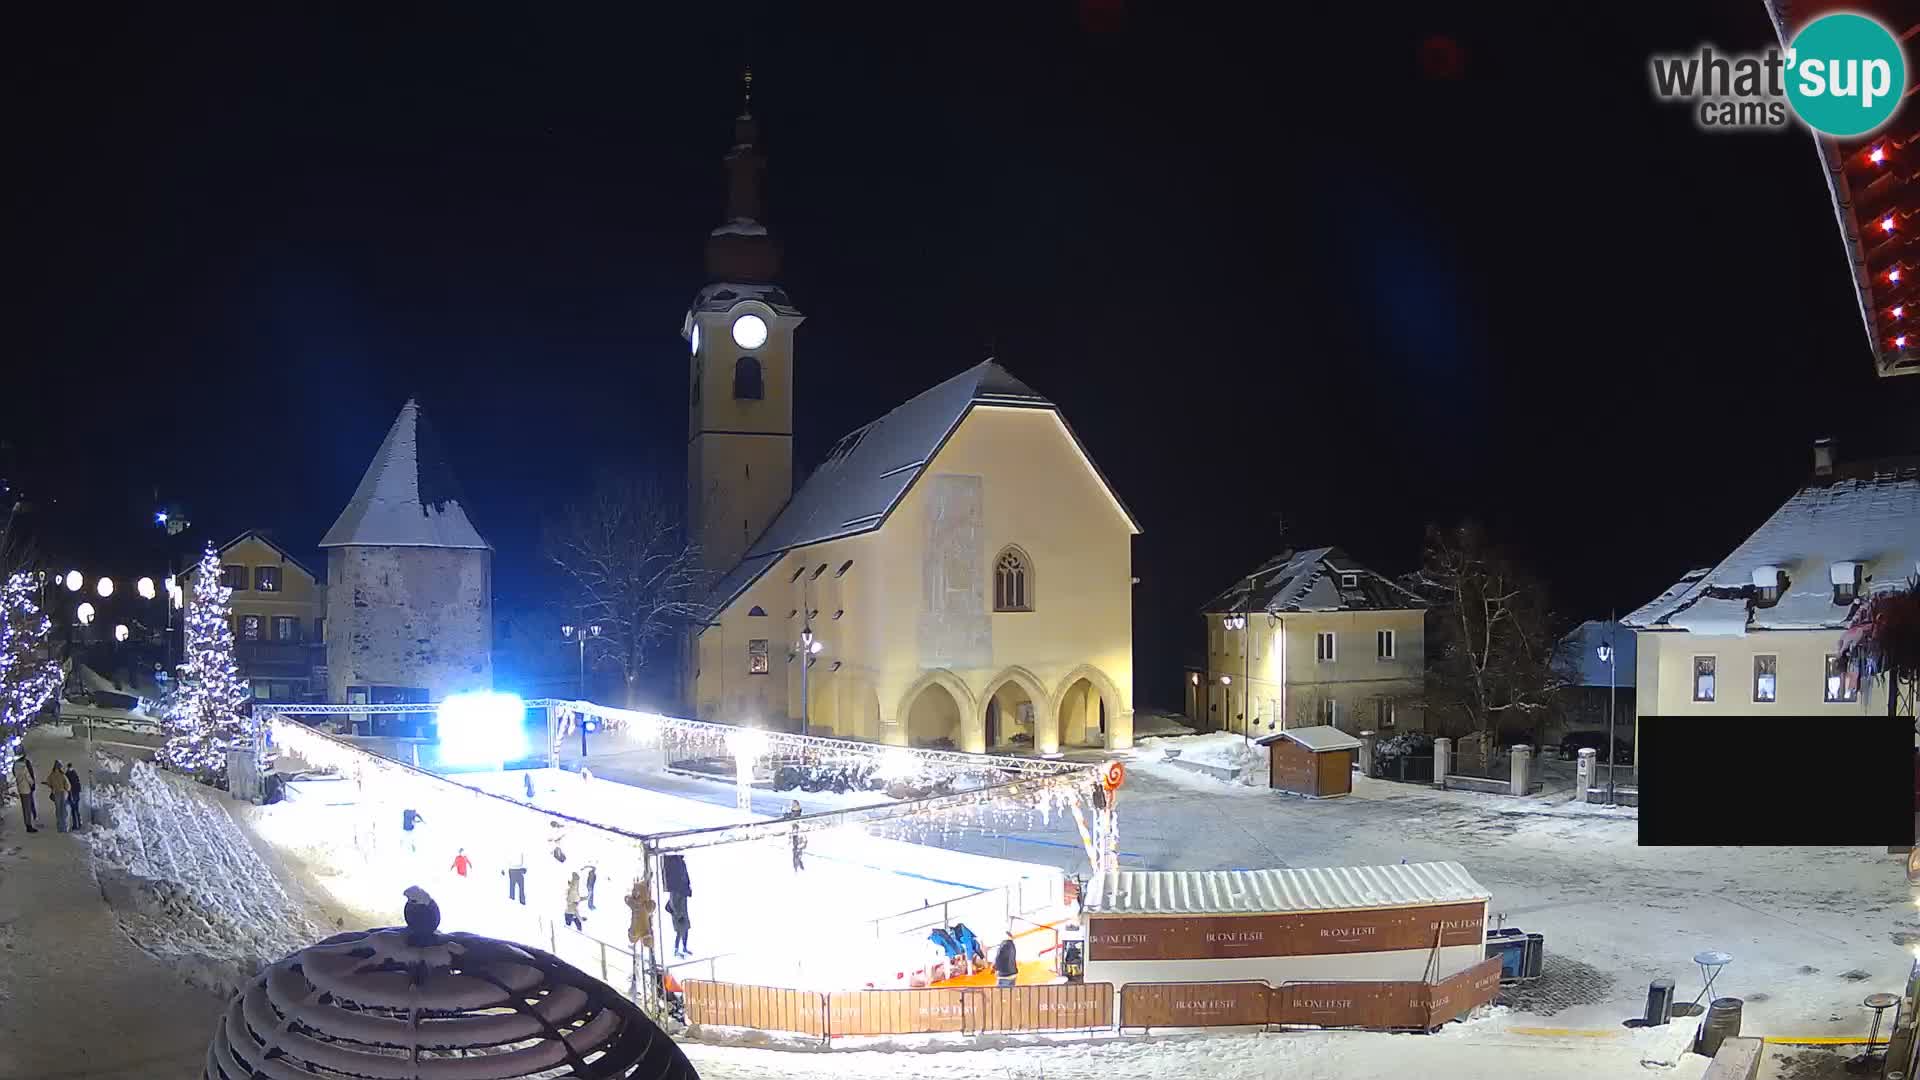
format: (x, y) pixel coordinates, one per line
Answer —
(1596, 741)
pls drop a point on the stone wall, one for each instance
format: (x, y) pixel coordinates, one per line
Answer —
(409, 616)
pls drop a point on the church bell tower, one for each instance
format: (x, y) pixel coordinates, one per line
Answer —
(739, 332)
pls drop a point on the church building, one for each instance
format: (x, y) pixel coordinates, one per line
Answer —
(956, 573)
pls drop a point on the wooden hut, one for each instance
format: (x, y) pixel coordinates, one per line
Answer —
(1312, 761)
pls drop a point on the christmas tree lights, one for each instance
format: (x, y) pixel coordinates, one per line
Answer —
(29, 676)
(205, 720)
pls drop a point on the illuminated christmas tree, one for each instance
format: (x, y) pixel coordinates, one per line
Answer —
(205, 720)
(29, 676)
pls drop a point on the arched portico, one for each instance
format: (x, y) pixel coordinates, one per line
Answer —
(939, 705)
(1001, 713)
(1091, 711)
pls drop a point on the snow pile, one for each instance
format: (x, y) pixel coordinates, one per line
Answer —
(183, 880)
(1221, 755)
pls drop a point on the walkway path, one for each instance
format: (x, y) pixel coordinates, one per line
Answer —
(77, 999)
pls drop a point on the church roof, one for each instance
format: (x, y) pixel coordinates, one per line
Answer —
(408, 498)
(1313, 579)
(870, 469)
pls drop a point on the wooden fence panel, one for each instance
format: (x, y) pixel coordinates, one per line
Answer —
(1049, 1007)
(766, 1008)
(893, 1012)
(1379, 1005)
(1457, 995)
(1221, 1004)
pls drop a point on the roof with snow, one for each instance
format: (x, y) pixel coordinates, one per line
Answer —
(408, 498)
(1315, 579)
(1318, 738)
(1258, 892)
(722, 295)
(1867, 514)
(257, 534)
(1580, 654)
(870, 469)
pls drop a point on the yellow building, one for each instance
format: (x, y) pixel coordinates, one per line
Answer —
(1761, 631)
(1311, 637)
(279, 618)
(957, 572)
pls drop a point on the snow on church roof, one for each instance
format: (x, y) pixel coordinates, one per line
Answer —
(408, 497)
(1258, 892)
(1868, 513)
(869, 470)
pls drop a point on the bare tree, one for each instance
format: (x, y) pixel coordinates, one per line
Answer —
(1492, 647)
(630, 568)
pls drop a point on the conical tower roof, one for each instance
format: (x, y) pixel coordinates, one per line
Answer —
(408, 498)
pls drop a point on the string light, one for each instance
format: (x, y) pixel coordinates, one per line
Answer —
(1886, 224)
(204, 720)
(1877, 155)
(31, 676)
(1893, 274)
(1899, 312)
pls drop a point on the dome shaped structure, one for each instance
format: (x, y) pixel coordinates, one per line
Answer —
(415, 1004)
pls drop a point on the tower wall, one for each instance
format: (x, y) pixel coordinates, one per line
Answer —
(410, 617)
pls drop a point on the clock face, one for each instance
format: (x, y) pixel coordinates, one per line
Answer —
(693, 339)
(749, 331)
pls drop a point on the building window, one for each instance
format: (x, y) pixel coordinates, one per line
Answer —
(844, 567)
(797, 573)
(1349, 581)
(1848, 590)
(1012, 581)
(756, 611)
(1769, 595)
(266, 579)
(747, 383)
(356, 695)
(1765, 680)
(818, 571)
(1383, 712)
(1323, 647)
(234, 577)
(319, 629)
(286, 628)
(757, 656)
(1383, 643)
(1330, 712)
(251, 627)
(1703, 678)
(1843, 682)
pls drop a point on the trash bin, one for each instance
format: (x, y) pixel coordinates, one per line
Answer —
(1722, 1023)
(1659, 1002)
(1511, 952)
(1534, 955)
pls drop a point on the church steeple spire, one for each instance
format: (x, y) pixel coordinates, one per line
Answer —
(740, 249)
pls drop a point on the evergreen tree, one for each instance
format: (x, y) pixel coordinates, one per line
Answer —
(29, 676)
(205, 720)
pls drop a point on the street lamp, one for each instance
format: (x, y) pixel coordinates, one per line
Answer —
(145, 588)
(1606, 657)
(579, 635)
(105, 587)
(120, 632)
(810, 647)
(74, 581)
(85, 613)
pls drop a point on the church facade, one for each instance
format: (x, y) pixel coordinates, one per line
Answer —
(956, 573)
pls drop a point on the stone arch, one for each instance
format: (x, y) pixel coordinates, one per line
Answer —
(1046, 727)
(967, 736)
(1077, 720)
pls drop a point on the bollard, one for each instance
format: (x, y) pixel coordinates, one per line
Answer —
(1519, 770)
(1442, 761)
(1367, 739)
(1659, 1002)
(1583, 773)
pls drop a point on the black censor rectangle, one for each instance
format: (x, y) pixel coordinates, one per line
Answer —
(1776, 781)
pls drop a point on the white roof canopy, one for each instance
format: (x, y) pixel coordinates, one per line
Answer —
(1258, 892)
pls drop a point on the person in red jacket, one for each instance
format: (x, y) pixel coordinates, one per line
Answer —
(462, 864)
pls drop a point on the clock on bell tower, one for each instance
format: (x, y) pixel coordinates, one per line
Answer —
(739, 333)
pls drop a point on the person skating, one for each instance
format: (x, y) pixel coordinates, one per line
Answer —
(57, 789)
(1006, 961)
(462, 864)
(573, 903)
(408, 819)
(516, 872)
(73, 796)
(23, 784)
(677, 907)
(528, 778)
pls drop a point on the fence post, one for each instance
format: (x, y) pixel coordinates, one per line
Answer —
(1442, 761)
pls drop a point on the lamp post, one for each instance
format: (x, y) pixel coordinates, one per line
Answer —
(1607, 657)
(810, 647)
(578, 635)
(1226, 702)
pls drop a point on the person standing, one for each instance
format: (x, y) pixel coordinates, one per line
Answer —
(593, 879)
(528, 778)
(799, 841)
(679, 889)
(73, 796)
(23, 784)
(57, 789)
(462, 864)
(1006, 961)
(573, 903)
(408, 819)
(677, 907)
(517, 876)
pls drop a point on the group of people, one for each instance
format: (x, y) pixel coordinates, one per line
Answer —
(63, 791)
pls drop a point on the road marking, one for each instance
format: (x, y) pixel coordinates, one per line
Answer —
(1562, 1033)
(1815, 1040)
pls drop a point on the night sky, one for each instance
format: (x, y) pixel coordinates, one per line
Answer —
(1337, 272)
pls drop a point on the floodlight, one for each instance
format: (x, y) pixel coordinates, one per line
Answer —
(482, 728)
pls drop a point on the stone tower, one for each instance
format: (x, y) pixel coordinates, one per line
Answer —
(739, 331)
(410, 590)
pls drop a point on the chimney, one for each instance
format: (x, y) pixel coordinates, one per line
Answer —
(1823, 457)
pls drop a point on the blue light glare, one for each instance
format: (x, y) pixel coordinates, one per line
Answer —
(482, 728)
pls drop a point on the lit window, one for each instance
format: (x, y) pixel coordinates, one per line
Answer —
(286, 628)
(1843, 682)
(1765, 683)
(252, 627)
(1012, 581)
(233, 577)
(1323, 647)
(266, 579)
(1703, 678)
(1383, 643)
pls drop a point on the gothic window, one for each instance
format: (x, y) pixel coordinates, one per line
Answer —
(1012, 581)
(747, 384)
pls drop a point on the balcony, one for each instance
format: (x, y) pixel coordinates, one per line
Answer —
(279, 659)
